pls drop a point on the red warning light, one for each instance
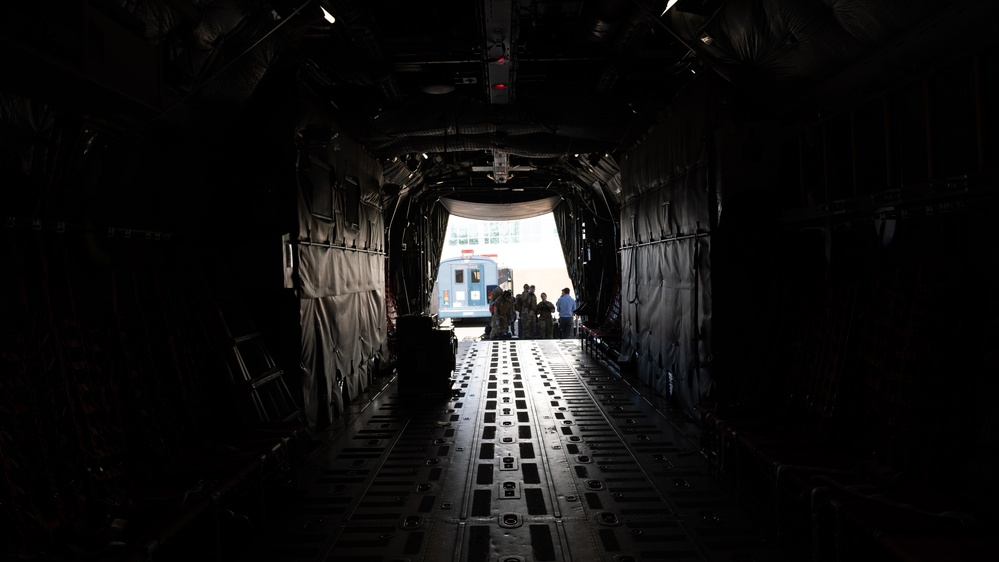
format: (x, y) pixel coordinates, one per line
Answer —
(499, 86)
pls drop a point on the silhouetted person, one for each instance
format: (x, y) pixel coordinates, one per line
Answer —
(565, 305)
(518, 305)
(531, 304)
(545, 320)
(503, 314)
(528, 312)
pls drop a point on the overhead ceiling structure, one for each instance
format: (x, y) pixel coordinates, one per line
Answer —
(471, 98)
(497, 96)
(480, 99)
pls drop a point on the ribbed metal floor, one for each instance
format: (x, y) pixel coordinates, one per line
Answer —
(540, 455)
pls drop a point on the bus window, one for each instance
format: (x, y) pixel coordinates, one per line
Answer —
(459, 276)
(476, 276)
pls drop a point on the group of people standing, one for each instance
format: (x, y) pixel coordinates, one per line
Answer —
(536, 318)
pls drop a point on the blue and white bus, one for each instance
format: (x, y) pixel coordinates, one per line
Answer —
(463, 286)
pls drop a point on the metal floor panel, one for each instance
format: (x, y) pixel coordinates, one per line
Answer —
(540, 454)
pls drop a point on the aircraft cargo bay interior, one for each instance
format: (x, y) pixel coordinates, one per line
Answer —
(236, 325)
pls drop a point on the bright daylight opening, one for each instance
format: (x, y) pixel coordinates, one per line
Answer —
(524, 251)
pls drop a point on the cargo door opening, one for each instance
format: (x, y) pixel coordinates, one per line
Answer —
(479, 255)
